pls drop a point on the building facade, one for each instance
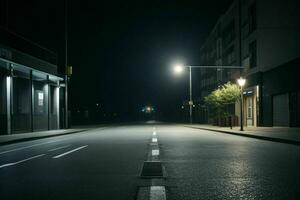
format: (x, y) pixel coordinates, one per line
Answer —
(31, 95)
(263, 37)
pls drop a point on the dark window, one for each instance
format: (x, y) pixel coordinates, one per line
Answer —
(252, 54)
(229, 33)
(252, 18)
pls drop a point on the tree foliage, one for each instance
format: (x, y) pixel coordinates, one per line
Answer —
(226, 94)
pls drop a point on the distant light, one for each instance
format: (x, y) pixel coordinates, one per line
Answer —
(178, 69)
(97, 104)
(182, 107)
(241, 81)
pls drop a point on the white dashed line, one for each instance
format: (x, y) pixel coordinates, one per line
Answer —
(157, 193)
(15, 163)
(154, 139)
(154, 133)
(68, 152)
(155, 152)
(26, 147)
(59, 148)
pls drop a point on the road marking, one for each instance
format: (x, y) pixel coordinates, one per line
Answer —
(68, 152)
(157, 193)
(15, 163)
(59, 148)
(154, 139)
(26, 147)
(154, 128)
(154, 133)
(155, 152)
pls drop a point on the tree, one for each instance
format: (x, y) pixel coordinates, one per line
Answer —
(219, 100)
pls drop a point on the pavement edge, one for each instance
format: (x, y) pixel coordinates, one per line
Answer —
(39, 137)
(272, 139)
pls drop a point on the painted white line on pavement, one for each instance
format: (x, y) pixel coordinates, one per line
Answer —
(154, 133)
(59, 148)
(154, 128)
(154, 139)
(68, 152)
(15, 163)
(157, 193)
(26, 147)
(155, 152)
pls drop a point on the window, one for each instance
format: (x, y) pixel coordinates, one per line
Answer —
(249, 107)
(252, 54)
(229, 56)
(229, 33)
(252, 17)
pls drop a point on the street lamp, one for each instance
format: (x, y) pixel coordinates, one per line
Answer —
(241, 81)
(178, 70)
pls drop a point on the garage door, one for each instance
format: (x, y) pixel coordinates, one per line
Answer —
(281, 114)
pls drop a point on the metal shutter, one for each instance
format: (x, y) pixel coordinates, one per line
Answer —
(281, 114)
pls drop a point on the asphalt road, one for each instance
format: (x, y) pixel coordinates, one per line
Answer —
(106, 164)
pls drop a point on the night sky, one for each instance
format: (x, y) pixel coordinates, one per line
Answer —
(122, 51)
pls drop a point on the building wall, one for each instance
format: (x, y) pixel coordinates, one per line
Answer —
(3, 116)
(286, 83)
(40, 106)
(27, 108)
(279, 32)
(21, 106)
(270, 42)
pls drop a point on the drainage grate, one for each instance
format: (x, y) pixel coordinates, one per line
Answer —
(152, 169)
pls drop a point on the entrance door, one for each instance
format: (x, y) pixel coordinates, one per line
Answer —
(249, 110)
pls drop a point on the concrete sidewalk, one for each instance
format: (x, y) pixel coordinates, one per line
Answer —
(19, 137)
(276, 134)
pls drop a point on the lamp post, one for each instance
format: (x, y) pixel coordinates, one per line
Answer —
(191, 97)
(241, 81)
(178, 69)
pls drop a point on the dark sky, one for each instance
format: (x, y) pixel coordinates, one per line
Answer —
(122, 51)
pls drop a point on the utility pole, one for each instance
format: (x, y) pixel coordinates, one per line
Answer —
(191, 97)
(66, 66)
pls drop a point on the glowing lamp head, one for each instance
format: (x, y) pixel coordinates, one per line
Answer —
(241, 81)
(178, 69)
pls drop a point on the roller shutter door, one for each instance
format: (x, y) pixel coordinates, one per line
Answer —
(281, 114)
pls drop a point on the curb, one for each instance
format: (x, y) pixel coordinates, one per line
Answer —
(38, 137)
(280, 140)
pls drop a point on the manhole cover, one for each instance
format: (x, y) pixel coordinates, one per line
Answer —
(152, 169)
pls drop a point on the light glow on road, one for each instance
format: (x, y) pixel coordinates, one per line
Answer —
(154, 133)
(154, 139)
